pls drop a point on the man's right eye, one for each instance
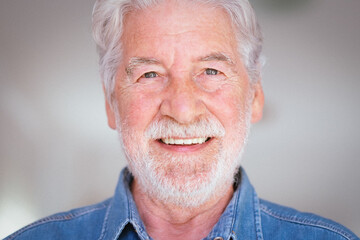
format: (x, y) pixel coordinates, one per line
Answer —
(211, 71)
(150, 75)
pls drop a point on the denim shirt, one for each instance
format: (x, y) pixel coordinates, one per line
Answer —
(245, 218)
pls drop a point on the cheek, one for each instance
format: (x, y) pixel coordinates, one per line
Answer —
(228, 105)
(138, 109)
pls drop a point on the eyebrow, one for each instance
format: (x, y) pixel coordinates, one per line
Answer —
(135, 62)
(218, 56)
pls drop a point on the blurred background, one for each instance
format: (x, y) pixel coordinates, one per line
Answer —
(57, 152)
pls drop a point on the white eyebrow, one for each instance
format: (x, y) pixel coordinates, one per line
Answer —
(135, 62)
(218, 56)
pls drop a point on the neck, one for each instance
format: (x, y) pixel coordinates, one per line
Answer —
(168, 221)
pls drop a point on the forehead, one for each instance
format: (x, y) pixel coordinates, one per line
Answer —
(178, 24)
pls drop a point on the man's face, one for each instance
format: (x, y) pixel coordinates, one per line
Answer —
(182, 101)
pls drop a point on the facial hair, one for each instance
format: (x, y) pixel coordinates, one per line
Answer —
(187, 180)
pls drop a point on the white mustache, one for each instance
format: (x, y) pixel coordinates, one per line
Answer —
(167, 127)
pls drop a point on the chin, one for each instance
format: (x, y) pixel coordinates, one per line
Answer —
(186, 182)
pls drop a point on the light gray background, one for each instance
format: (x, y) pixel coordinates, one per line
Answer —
(57, 153)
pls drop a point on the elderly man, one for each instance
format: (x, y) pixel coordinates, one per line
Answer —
(182, 85)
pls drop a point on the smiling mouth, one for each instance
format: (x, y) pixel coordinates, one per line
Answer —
(184, 141)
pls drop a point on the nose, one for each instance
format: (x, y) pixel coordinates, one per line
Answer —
(182, 101)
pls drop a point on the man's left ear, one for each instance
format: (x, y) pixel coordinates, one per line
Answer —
(258, 103)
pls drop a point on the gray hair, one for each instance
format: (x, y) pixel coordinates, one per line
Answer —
(107, 28)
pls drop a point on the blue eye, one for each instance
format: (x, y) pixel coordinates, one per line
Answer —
(150, 75)
(210, 71)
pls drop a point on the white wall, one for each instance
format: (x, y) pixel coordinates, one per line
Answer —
(57, 153)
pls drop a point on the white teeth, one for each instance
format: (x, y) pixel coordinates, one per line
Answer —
(187, 141)
(172, 141)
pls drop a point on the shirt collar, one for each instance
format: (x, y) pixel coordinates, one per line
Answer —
(122, 211)
(240, 220)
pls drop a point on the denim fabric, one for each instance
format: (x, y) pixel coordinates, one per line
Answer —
(245, 218)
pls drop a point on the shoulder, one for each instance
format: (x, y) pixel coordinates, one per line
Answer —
(66, 225)
(279, 222)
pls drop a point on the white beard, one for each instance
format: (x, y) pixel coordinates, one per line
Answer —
(184, 180)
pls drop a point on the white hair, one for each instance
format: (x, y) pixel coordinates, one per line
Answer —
(108, 16)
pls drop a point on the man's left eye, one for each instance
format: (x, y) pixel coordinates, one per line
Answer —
(211, 71)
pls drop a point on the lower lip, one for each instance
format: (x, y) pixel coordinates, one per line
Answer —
(184, 148)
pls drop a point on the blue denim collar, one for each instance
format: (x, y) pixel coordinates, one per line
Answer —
(240, 220)
(122, 211)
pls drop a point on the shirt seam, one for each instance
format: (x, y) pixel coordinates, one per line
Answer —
(104, 227)
(139, 230)
(307, 222)
(232, 232)
(56, 218)
(257, 217)
(131, 215)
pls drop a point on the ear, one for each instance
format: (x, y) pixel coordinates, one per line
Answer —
(258, 103)
(109, 112)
